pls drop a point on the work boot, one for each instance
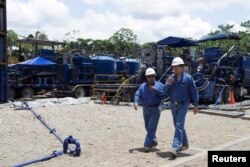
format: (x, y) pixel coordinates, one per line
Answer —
(173, 153)
(184, 147)
(154, 144)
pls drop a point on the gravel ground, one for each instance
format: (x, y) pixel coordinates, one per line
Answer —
(111, 136)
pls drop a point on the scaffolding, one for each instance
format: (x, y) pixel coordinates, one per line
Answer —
(116, 87)
(106, 83)
(3, 53)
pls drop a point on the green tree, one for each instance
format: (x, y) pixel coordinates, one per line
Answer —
(226, 44)
(246, 24)
(148, 45)
(123, 40)
(245, 37)
(82, 43)
(12, 37)
(243, 43)
(214, 32)
(225, 28)
(123, 35)
(38, 35)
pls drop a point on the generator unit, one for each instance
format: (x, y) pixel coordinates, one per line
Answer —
(221, 72)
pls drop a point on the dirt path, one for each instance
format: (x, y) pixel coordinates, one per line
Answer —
(112, 136)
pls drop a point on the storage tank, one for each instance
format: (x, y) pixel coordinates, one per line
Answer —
(133, 66)
(104, 64)
(127, 66)
(78, 60)
(120, 66)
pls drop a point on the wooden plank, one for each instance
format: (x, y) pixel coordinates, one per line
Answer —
(246, 117)
(205, 152)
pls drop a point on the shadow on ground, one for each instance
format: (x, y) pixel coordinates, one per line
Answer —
(143, 149)
(170, 156)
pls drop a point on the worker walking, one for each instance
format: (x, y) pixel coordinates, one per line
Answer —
(181, 89)
(150, 94)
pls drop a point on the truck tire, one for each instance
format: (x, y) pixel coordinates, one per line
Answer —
(27, 92)
(79, 92)
(12, 94)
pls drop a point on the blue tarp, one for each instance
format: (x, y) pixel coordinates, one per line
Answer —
(177, 42)
(219, 37)
(37, 61)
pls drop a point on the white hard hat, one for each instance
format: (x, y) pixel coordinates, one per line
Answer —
(177, 61)
(150, 71)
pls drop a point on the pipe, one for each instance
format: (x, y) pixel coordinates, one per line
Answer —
(69, 140)
(218, 62)
(51, 130)
(46, 158)
(165, 73)
(205, 85)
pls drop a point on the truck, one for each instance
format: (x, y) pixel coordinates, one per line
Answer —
(35, 75)
(71, 73)
(94, 75)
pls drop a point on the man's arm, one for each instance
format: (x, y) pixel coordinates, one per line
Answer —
(194, 96)
(159, 89)
(137, 97)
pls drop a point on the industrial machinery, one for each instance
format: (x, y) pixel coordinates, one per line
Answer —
(68, 74)
(120, 90)
(222, 73)
(218, 73)
(37, 74)
(30, 77)
(80, 77)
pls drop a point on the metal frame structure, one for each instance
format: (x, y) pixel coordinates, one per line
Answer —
(3, 53)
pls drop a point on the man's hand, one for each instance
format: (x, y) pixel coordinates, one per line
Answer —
(195, 110)
(135, 106)
(170, 80)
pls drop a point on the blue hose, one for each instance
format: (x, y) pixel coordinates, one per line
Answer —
(71, 140)
(48, 157)
(66, 142)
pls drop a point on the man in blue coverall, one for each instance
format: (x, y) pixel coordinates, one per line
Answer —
(150, 94)
(181, 89)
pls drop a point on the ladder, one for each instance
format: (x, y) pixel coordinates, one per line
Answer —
(128, 84)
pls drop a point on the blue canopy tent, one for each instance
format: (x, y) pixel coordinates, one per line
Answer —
(38, 65)
(37, 61)
(219, 37)
(176, 42)
(37, 71)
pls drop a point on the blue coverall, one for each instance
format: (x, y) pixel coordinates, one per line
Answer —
(151, 102)
(181, 93)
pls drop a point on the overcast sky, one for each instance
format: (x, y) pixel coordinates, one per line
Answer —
(150, 20)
